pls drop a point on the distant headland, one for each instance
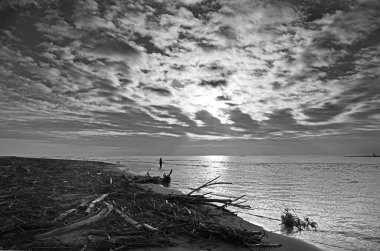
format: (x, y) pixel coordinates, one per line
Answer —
(374, 155)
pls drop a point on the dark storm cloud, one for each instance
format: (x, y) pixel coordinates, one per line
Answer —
(160, 91)
(124, 81)
(7, 17)
(259, 72)
(178, 67)
(207, 46)
(142, 122)
(281, 120)
(46, 125)
(213, 67)
(227, 31)
(213, 83)
(345, 64)
(223, 98)
(146, 42)
(203, 42)
(122, 119)
(205, 8)
(325, 113)
(276, 85)
(243, 121)
(210, 125)
(333, 50)
(366, 115)
(22, 32)
(207, 118)
(313, 10)
(114, 48)
(365, 89)
(177, 113)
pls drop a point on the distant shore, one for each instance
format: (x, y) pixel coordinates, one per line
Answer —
(363, 156)
(88, 205)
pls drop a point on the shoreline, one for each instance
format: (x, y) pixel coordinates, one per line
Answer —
(68, 177)
(287, 243)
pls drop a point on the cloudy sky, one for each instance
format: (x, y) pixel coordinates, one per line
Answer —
(168, 77)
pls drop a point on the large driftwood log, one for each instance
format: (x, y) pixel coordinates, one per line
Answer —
(199, 199)
(103, 214)
(135, 223)
(155, 179)
(165, 179)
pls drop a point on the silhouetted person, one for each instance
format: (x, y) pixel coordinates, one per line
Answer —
(160, 163)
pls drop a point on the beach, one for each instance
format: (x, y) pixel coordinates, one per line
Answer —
(92, 205)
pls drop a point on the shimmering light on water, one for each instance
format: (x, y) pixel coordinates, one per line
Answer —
(342, 194)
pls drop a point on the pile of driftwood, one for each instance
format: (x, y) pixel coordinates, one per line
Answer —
(164, 180)
(59, 204)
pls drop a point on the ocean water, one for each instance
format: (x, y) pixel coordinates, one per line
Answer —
(342, 194)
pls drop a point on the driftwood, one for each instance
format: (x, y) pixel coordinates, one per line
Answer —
(264, 245)
(103, 214)
(87, 216)
(92, 204)
(164, 180)
(203, 200)
(209, 183)
(65, 214)
(135, 223)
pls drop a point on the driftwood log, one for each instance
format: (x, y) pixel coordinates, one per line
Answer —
(77, 225)
(164, 180)
(135, 223)
(92, 204)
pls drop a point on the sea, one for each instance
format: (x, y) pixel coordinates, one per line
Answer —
(341, 194)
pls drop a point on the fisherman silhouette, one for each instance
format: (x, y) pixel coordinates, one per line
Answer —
(160, 163)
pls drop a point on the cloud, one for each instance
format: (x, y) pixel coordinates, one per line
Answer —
(146, 43)
(210, 69)
(108, 133)
(213, 83)
(213, 137)
(243, 121)
(114, 49)
(190, 2)
(282, 120)
(316, 10)
(160, 91)
(24, 4)
(325, 113)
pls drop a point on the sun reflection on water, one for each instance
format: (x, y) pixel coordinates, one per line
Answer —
(216, 158)
(213, 167)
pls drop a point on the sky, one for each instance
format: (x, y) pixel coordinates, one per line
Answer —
(189, 77)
